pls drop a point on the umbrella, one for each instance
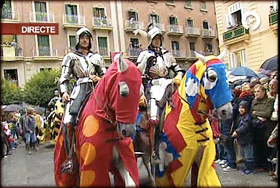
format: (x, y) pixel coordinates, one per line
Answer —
(13, 107)
(242, 71)
(40, 109)
(269, 65)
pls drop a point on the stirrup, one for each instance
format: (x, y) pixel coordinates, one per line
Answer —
(155, 159)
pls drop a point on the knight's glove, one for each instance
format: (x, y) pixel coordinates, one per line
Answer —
(143, 101)
(177, 79)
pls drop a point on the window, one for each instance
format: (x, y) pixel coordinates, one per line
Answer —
(189, 23)
(102, 46)
(41, 11)
(43, 45)
(192, 46)
(205, 25)
(170, 2)
(134, 47)
(175, 48)
(173, 20)
(208, 49)
(45, 69)
(188, 3)
(98, 12)
(234, 16)
(237, 59)
(203, 5)
(72, 42)
(7, 10)
(132, 15)
(154, 18)
(71, 13)
(11, 75)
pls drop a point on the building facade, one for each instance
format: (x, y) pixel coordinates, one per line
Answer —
(187, 26)
(247, 46)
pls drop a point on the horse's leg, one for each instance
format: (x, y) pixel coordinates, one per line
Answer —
(129, 182)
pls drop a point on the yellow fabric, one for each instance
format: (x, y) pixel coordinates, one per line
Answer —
(143, 101)
(207, 176)
(177, 79)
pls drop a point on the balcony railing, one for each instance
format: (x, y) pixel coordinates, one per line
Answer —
(103, 51)
(192, 32)
(133, 25)
(101, 22)
(134, 52)
(176, 53)
(174, 29)
(72, 19)
(237, 32)
(10, 15)
(160, 26)
(10, 53)
(44, 51)
(191, 54)
(206, 33)
(273, 18)
(41, 17)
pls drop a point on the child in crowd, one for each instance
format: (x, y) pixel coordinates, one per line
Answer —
(244, 136)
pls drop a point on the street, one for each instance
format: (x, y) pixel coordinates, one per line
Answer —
(20, 169)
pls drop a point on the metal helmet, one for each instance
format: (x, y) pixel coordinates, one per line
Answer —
(152, 33)
(56, 92)
(79, 33)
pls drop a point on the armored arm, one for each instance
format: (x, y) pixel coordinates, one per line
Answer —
(65, 73)
(144, 61)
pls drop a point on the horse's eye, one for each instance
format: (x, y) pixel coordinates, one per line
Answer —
(211, 75)
(123, 89)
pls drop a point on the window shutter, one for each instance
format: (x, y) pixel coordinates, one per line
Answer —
(243, 57)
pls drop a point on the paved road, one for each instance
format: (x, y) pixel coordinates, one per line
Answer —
(20, 169)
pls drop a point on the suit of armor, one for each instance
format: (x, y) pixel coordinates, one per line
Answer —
(81, 68)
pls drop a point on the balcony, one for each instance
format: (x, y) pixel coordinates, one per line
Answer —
(44, 53)
(273, 22)
(101, 24)
(134, 52)
(11, 53)
(10, 16)
(73, 21)
(236, 35)
(191, 55)
(192, 32)
(207, 34)
(174, 30)
(130, 26)
(160, 26)
(103, 51)
(41, 17)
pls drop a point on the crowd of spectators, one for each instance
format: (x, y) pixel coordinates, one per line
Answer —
(250, 136)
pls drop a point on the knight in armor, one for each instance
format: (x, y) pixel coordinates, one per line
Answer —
(156, 62)
(52, 102)
(86, 68)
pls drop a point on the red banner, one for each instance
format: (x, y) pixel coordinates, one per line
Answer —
(29, 29)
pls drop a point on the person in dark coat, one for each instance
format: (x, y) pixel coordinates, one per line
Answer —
(244, 136)
(261, 110)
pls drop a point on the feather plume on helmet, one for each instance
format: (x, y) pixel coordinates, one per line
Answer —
(151, 33)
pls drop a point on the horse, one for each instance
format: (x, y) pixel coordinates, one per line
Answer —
(186, 141)
(102, 136)
(143, 139)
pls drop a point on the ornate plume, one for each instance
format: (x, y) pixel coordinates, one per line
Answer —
(141, 32)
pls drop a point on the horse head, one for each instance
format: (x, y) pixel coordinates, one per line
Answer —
(118, 93)
(207, 79)
(59, 109)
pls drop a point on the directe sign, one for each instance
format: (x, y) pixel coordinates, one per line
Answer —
(29, 29)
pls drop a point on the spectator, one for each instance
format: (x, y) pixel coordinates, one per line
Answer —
(271, 10)
(272, 142)
(261, 111)
(29, 130)
(273, 88)
(244, 136)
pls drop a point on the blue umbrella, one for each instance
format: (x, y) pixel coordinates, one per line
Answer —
(242, 71)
